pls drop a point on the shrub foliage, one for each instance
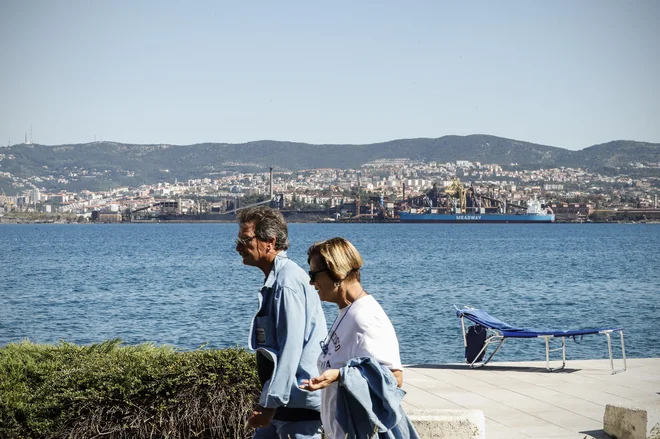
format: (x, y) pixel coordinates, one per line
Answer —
(113, 391)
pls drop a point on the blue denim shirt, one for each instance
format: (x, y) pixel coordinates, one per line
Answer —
(288, 329)
(369, 402)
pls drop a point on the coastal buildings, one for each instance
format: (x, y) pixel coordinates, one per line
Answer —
(573, 193)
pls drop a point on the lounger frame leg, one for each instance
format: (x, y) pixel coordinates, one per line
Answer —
(548, 350)
(492, 339)
(609, 350)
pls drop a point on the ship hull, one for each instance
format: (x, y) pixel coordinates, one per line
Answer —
(474, 218)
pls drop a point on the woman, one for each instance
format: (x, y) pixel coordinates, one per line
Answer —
(361, 329)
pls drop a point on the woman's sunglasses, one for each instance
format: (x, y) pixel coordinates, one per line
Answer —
(312, 274)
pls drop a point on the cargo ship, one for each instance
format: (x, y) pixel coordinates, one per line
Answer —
(535, 213)
(459, 204)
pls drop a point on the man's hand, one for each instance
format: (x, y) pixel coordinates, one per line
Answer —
(261, 417)
(322, 381)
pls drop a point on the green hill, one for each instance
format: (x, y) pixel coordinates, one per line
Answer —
(102, 165)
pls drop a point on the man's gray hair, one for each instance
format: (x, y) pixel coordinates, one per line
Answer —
(268, 223)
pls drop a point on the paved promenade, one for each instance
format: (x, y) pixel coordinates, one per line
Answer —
(522, 400)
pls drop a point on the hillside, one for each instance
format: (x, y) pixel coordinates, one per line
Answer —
(102, 165)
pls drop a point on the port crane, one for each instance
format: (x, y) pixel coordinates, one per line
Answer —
(456, 191)
(460, 199)
(8, 202)
(383, 210)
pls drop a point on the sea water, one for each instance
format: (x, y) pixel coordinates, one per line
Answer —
(184, 285)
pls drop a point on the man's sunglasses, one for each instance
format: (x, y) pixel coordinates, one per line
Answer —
(245, 240)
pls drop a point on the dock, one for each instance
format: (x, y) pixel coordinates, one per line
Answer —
(523, 400)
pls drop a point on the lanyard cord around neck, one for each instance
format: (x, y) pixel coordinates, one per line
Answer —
(324, 343)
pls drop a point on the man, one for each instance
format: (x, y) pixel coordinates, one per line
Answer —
(286, 331)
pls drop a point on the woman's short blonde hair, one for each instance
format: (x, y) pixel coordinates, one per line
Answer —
(340, 257)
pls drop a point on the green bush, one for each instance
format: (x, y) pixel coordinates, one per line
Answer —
(112, 391)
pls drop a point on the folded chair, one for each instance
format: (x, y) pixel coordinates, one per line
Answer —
(497, 332)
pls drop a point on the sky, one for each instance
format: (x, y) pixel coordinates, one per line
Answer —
(563, 73)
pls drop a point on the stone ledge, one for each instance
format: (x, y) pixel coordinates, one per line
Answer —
(628, 421)
(454, 424)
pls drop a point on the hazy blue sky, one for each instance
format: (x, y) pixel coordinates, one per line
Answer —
(563, 73)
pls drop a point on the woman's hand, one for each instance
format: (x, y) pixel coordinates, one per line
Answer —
(322, 381)
(398, 374)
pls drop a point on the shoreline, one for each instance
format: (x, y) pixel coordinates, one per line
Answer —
(17, 221)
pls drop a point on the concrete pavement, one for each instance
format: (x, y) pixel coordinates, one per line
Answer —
(523, 400)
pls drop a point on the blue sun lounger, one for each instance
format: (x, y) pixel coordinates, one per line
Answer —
(498, 331)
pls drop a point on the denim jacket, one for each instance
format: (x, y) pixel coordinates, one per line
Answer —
(286, 332)
(369, 402)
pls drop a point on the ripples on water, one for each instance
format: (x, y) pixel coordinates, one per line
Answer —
(183, 284)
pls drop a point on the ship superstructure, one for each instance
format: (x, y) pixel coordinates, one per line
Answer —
(466, 205)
